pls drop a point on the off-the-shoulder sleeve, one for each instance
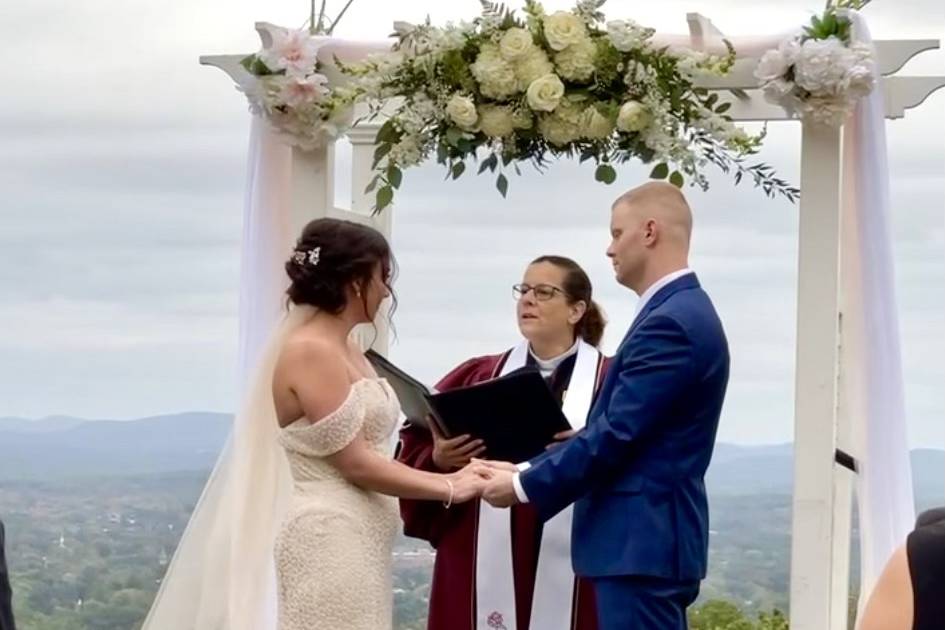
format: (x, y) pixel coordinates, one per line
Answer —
(332, 433)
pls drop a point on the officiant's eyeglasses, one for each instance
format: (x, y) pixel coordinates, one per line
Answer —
(543, 292)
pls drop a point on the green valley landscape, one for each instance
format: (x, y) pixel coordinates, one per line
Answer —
(93, 512)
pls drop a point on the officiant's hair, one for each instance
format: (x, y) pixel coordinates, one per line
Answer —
(577, 286)
(347, 254)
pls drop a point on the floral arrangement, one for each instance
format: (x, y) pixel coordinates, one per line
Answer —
(820, 74)
(503, 90)
(286, 87)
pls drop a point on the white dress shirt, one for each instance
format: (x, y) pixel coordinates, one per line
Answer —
(641, 304)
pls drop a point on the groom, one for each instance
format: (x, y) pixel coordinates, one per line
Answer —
(635, 473)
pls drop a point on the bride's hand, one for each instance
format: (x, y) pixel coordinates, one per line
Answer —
(469, 482)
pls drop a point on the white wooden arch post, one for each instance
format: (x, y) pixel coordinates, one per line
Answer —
(822, 502)
(823, 490)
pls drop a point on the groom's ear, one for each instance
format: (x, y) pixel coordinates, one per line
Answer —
(651, 231)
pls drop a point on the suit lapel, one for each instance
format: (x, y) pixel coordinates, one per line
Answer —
(688, 281)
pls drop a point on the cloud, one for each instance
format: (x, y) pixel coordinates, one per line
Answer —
(122, 169)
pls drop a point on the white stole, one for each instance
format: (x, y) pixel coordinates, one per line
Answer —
(554, 582)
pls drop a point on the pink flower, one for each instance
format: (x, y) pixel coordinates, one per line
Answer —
(298, 91)
(294, 51)
(496, 621)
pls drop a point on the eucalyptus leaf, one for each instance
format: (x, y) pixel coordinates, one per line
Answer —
(661, 171)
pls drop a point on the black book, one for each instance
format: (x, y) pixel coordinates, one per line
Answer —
(515, 415)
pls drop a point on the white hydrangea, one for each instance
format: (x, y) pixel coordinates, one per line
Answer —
(462, 111)
(825, 110)
(627, 35)
(496, 121)
(522, 118)
(516, 44)
(563, 29)
(564, 125)
(595, 125)
(545, 93)
(822, 65)
(532, 66)
(576, 62)
(409, 151)
(421, 112)
(860, 78)
(495, 75)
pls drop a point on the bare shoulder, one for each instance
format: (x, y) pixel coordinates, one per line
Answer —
(311, 349)
(890, 606)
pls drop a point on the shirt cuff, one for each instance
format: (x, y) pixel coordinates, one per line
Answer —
(519, 490)
(523, 466)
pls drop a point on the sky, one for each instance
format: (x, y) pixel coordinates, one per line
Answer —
(122, 167)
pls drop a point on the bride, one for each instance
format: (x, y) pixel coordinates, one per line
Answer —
(311, 477)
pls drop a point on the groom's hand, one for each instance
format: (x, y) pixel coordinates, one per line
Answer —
(499, 491)
(497, 465)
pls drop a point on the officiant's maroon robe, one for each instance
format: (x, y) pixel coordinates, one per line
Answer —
(453, 532)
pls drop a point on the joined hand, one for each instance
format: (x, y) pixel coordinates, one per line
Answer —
(499, 490)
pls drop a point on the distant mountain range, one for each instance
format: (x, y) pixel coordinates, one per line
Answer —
(62, 446)
(52, 448)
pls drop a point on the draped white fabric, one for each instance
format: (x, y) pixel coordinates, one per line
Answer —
(871, 363)
(222, 576)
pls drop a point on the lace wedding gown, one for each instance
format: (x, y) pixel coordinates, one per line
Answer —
(333, 552)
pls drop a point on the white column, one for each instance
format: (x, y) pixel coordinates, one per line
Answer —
(812, 549)
(843, 481)
(362, 155)
(312, 185)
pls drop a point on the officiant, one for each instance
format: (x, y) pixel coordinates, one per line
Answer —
(504, 568)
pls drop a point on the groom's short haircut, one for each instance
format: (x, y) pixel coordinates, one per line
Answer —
(663, 201)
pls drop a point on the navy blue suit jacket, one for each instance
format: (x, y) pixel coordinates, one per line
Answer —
(636, 472)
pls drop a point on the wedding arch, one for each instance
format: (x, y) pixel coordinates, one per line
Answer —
(849, 410)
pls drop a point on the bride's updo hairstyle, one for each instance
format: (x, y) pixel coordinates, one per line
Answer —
(333, 256)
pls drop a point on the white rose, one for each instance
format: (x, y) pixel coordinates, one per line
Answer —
(822, 64)
(496, 121)
(627, 35)
(773, 65)
(462, 111)
(576, 62)
(515, 44)
(534, 65)
(495, 75)
(596, 126)
(545, 93)
(563, 29)
(633, 116)
(563, 126)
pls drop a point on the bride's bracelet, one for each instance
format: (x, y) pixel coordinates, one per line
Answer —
(449, 501)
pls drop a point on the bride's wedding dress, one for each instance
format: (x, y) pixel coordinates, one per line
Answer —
(278, 528)
(333, 552)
